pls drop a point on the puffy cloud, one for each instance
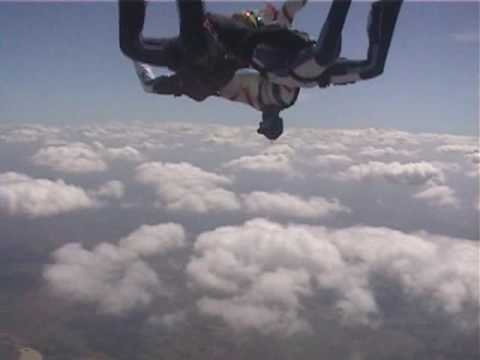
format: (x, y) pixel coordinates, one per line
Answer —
(283, 149)
(151, 240)
(262, 163)
(259, 274)
(79, 157)
(290, 206)
(75, 158)
(114, 276)
(271, 305)
(116, 279)
(330, 148)
(235, 137)
(474, 157)
(332, 160)
(440, 195)
(371, 151)
(170, 320)
(111, 190)
(126, 153)
(182, 186)
(458, 148)
(22, 195)
(27, 134)
(413, 173)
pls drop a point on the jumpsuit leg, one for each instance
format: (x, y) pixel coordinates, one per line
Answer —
(329, 41)
(382, 21)
(192, 32)
(157, 52)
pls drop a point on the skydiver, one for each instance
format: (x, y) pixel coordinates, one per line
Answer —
(277, 85)
(200, 60)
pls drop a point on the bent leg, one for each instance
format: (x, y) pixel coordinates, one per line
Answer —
(382, 21)
(192, 32)
(157, 52)
(329, 41)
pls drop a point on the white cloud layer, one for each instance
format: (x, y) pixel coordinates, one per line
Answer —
(260, 272)
(115, 277)
(263, 163)
(438, 195)
(413, 173)
(183, 186)
(290, 206)
(22, 195)
(75, 158)
(111, 190)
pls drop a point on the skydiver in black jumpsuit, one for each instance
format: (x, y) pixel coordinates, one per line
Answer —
(205, 55)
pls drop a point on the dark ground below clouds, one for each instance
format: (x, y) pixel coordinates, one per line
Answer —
(61, 330)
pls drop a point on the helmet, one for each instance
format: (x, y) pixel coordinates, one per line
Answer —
(271, 125)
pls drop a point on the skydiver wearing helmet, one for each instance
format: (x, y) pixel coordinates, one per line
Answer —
(205, 55)
(277, 84)
(282, 72)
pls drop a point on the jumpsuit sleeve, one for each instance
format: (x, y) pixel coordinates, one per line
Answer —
(145, 76)
(283, 16)
(288, 11)
(162, 85)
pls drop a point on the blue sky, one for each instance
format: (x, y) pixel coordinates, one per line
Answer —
(61, 63)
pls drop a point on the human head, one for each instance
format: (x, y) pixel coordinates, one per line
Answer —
(271, 125)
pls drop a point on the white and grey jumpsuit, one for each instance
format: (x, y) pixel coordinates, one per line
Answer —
(279, 77)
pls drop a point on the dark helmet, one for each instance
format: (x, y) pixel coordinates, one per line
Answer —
(271, 125)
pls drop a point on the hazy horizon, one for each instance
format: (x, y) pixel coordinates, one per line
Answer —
(145, 227)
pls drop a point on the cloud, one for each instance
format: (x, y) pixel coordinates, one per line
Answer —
(151, 240)
(22, 195)
(27, 134)
(259, 274)
(170, 320)
(183, 186)
(413, 173)
(438, 195)
(371, 151)
(126, 153)
(332, 160)
(111, 190)
(458, 148)
(290, 206)
(74, 158)
(262, 163)
(271, 305)
(115, 277)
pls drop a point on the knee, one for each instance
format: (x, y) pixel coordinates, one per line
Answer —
(325, 56)
(373, 73)
(129, 47)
